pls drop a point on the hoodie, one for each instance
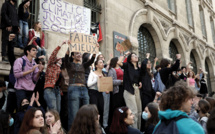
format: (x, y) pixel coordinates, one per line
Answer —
(185, 125)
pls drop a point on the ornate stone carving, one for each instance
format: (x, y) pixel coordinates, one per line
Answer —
(165, 26)
(187, 39)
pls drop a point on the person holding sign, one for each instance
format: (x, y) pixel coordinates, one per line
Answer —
(96, 97)
(77, 91)
(132, 85)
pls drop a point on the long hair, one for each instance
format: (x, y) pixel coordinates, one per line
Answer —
(118, 125)
(4, 122)
(211, 101)
(113, 62)
(153, 109)
(56, 116)
(204, 106)
(27, 123)
(38, 29)
(188, 75)
(86, 121)
(27, 10)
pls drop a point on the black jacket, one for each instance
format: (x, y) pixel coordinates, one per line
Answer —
(146, 79)
(203, 88)
(164, 72)
(9, 16)
(128, 76)
(23, 15)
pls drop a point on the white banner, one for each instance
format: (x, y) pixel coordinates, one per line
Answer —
(61, 16)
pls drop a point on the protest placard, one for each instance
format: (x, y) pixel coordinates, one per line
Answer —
(64, 17)
(105, 84)
(83, 43)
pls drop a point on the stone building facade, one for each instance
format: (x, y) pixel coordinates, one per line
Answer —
(161, 27)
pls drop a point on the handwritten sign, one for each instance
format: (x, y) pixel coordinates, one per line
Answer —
(105, 84)
(83, 43)
(61, 16)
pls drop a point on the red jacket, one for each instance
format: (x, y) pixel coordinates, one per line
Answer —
(53, 70)
(32, 34)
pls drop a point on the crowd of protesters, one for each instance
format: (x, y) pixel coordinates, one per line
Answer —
(66, 99)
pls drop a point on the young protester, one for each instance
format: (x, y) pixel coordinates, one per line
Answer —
(26, 72)
(77, 91)
(5, 122)
(96, 97)
(203, 87)
(211, 122)
(183, 75)
(51, 117)
(33, 123)
(64, 84)
(39, 42)
(24, 15)
(147, 92)
(86, 121)
(122, 119)
(175, 102)
(41, 81)
(52, 92)
(150, 115)
(191, 79)
(203, 109)
(24, 106)
(9, 24)
(193, 113)
(132, 85)
(117, 74)
(166, 70)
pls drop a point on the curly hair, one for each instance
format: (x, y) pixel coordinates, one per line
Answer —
(86, 121)
(175, 96)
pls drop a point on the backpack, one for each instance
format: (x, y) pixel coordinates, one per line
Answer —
(159, 86)
(168, 126)
(12, 78)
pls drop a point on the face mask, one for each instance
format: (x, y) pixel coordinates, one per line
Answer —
(11, 122)
(24, 107)
(179, 74)
(145, 116)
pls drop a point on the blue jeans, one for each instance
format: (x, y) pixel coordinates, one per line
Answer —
(53, 98)
(41, 51)
(23, 33)
(77, 97)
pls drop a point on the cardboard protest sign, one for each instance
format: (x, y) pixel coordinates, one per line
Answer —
(64, 17)
(117, 41)
(83, 43)
(105, 84)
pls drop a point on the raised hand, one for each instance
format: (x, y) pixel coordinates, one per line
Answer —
(37, 97)
(34, 67)
(178, 56)
(54, 129)
(147, 55)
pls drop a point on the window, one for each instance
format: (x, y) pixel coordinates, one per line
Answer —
(208, 77)
(146, 44)
(189, 12)
(173, 51)
(171, 5)
(202, 19)
(95, 9)
(212, 30)
(193, 60)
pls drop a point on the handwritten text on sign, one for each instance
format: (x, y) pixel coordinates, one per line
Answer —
(63, 17)
(83, 43)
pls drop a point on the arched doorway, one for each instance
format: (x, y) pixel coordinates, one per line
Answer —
(173, 51)
(208, 76)
(146, 44)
